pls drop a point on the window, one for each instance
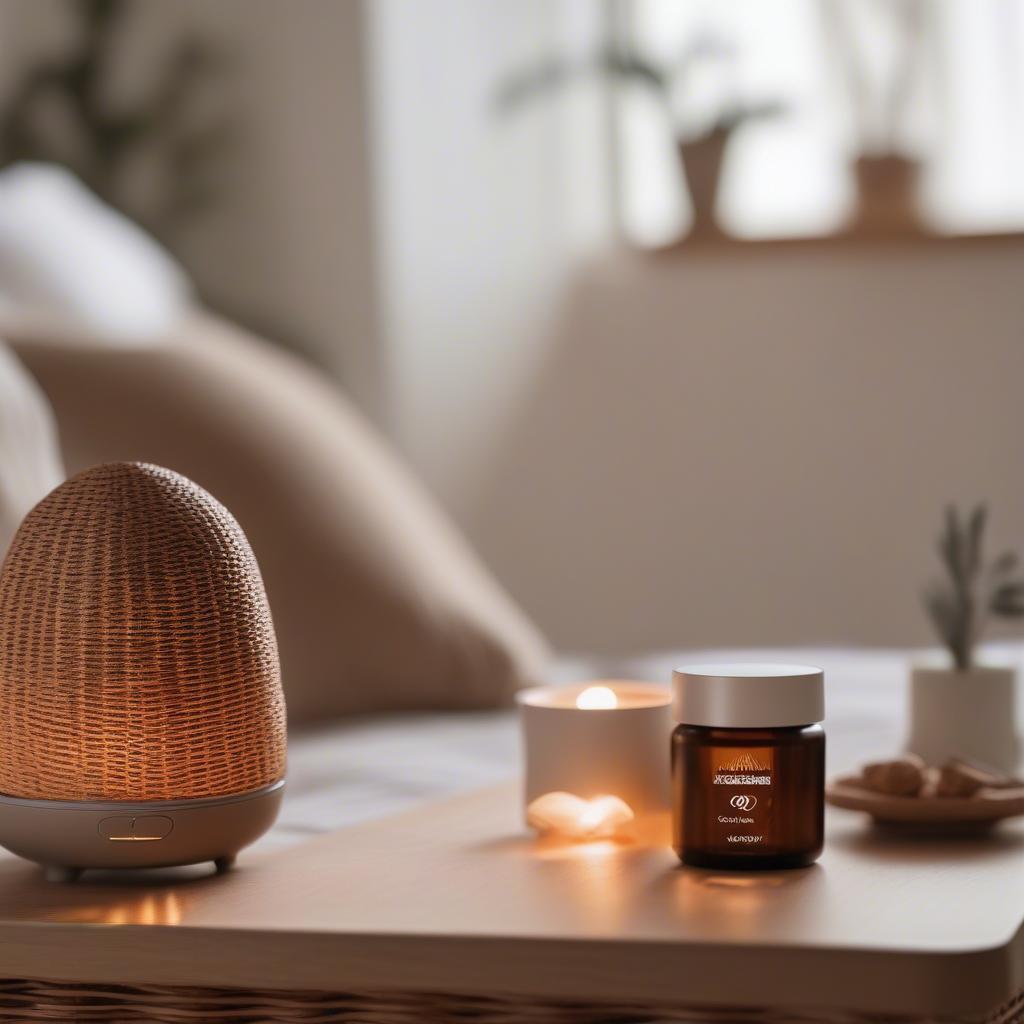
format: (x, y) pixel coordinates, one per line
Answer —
(927, 94)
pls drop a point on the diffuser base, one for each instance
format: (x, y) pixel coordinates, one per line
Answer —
(69, 836)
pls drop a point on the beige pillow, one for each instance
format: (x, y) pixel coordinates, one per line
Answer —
(378, 603)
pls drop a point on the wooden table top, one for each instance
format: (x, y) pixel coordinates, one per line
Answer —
(455, 897)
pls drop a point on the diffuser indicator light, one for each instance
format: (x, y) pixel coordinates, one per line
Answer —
(143, 828)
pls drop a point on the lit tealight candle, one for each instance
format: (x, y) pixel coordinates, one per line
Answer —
(597, 755)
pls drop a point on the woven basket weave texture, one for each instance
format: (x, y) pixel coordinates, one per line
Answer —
(137, 652)
(24, 1000)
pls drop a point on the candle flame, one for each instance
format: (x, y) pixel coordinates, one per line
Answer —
(597, 698)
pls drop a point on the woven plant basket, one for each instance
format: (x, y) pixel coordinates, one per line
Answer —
(137, 653)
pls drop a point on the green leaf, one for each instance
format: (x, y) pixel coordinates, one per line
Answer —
(942, 611)
(1005, 563)
(951, 548)
(975, 537)
(1007, 601)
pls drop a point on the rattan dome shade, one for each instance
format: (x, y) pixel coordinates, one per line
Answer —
(137, 652)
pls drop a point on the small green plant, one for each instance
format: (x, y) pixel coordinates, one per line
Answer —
(972, 591)
(620, 64)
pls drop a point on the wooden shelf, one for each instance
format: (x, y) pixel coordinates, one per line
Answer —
(727, 245)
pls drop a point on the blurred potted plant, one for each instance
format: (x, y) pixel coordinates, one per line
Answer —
(701, 149)
(966, 709)
(886, 177)
(60, 110)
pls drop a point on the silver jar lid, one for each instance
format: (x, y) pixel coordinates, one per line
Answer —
(748, 696)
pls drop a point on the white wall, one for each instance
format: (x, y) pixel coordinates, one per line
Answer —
(293, 245)
(758, 449)
(477, 218)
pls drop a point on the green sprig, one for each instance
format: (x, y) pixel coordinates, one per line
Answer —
(961, 604)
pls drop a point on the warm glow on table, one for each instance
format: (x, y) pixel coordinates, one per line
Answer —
(149, 908)
(568, 815)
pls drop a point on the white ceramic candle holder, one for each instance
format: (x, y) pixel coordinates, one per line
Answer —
(598, 739)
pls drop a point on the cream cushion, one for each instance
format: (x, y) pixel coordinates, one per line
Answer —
(30, 464)
(66, 257)
(377, 601)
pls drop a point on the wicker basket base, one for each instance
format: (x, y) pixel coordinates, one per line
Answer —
(23, 1000)
(68, 836)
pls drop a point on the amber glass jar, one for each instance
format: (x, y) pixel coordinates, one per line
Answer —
(748, 766)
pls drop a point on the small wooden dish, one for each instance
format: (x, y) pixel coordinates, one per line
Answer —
(928, 815)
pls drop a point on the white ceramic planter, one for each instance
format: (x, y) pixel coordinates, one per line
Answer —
(971, 715)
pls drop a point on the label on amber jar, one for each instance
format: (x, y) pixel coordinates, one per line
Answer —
(742, 781)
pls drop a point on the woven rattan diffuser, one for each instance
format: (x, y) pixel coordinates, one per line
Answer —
(141, 717)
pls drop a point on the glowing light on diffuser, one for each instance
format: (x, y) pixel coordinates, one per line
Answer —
(597, 698)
